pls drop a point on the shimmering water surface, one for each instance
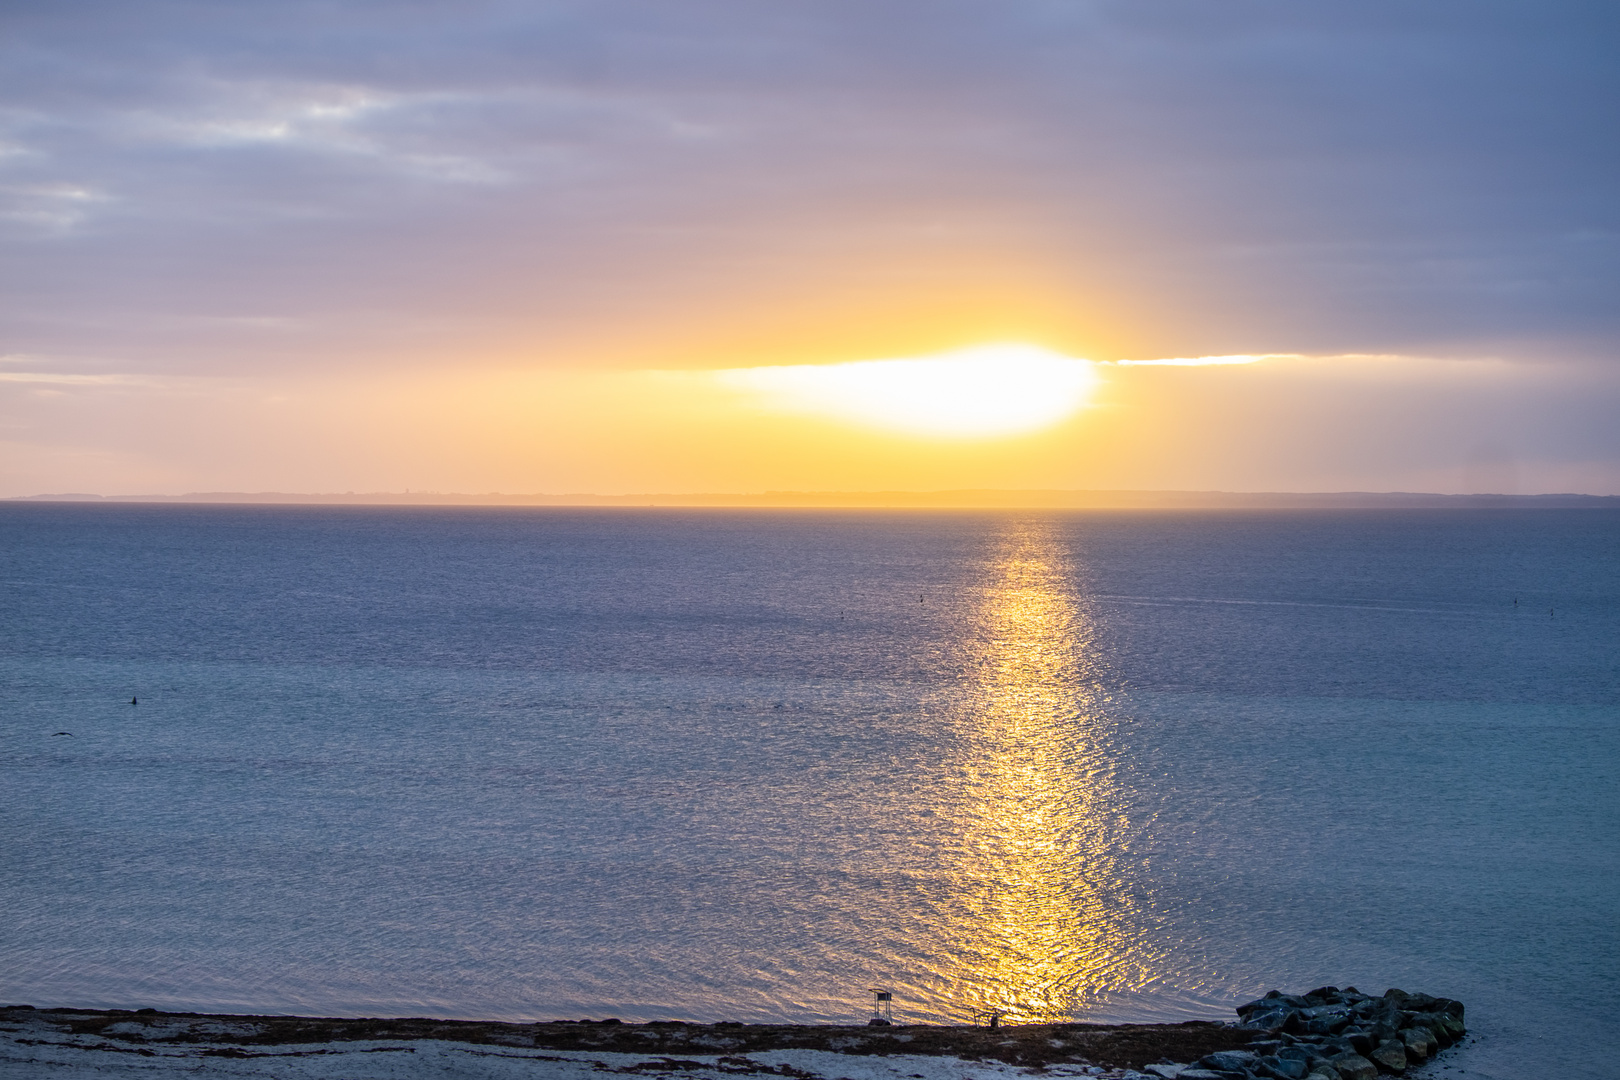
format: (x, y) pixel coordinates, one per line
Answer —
(715, 765)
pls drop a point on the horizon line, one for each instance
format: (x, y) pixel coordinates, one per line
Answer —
(957, 498)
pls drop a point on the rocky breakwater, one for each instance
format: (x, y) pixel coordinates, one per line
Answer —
(1332, 1034)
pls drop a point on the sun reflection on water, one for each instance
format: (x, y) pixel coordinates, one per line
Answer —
(1044, 924)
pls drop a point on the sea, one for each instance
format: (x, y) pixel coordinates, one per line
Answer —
(754, 765)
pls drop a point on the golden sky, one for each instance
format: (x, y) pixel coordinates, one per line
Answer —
(1278, 423)
(732, 247)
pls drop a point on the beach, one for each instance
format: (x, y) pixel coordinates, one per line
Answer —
(1325, 1034)
(146, 1043)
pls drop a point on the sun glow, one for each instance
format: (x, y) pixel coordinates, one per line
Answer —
(983, 392)
(1206, 361)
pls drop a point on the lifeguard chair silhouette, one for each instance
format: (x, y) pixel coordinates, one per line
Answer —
(882, 1008)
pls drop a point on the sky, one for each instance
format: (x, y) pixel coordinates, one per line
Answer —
(676, 246)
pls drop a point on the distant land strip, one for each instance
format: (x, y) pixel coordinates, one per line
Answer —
(964, 499)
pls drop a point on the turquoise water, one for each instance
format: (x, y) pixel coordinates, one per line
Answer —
(716, 765)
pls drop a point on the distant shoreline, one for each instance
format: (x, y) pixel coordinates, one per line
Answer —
(964, 499)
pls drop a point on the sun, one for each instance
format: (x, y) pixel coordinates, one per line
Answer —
(982, 392)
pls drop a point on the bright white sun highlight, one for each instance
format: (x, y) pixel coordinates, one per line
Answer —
(982, 392)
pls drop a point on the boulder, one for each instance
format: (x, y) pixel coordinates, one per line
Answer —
(1390, 1056)
(1354, 1067)
(1420, 1042)
(1167, 1072)
(1272, 1000)
(1286, 1068)
(1327, 1023)
(1371, 1007)
(1360, 1041)
(1266, 1019)
(1342, 1033)
(1201, 1074)
(1229, 1061)
(1426, 1003)
(1446, 1028)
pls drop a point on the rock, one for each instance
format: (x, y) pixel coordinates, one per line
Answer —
(1360, 1041)
(1237, 1061)
(1389, 1055)
(1354, 1067)
(1266, 1019)
(1167, 1072)
(1381, 1032)
(1342, 1033)
(1425, 1003)
(1420, 1042)
(1447, 1029)
(1201, 1074)
(1287, 1068)
(1377, 1010)
(1323, 1074)
(1270, 1001)
(1326, 1019)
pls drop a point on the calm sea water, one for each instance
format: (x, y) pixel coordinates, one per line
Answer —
(715, 765)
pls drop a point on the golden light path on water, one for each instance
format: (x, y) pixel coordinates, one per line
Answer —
(1045, 926)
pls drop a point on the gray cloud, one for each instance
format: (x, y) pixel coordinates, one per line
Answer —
(200, 185)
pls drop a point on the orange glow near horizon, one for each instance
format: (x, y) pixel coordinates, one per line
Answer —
(1286, 424)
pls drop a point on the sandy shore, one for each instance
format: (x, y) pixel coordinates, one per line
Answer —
(75, 1043)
